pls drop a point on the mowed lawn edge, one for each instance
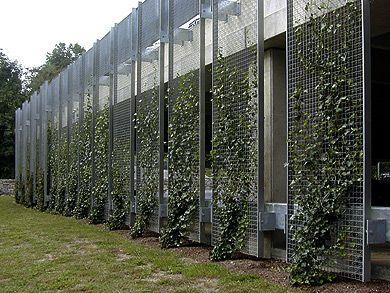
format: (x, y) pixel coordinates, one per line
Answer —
(42, 252)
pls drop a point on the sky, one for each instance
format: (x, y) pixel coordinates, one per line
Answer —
(30, 28)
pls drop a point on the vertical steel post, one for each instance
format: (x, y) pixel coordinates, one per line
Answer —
(202, 117)
(95, 100)
(134, 41)
(161, 104)
(112, 101)
(263, 242)
(45, 112)
(81, 94)
(366, 47)
(139, 67)
(69, 100)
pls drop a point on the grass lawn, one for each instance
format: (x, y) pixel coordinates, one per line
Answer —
(45, 252)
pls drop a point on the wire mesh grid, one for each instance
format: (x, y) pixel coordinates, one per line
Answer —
(121, 150)
(17, 144)
(234, 40)
(304, 21)
(121, 113)
(184, 10)
(24, 140)
(33, 138)
(28, 138)
(150, 22)
(183, 75)
(104, 55)
(147, 145)
(147, 105)
(124, 31)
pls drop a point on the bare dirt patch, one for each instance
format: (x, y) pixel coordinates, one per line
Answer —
(273, 270)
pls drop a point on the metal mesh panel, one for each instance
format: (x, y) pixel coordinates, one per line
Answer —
(28, 138)
(184, 10)
(24, 140)
(33, 138)
(150, 22)
(305, 19)
(147, 141)
(121, 111)
(88, 69)
(234, 41)
(101, 123)
(17, 145)
(104, 55)
(147, 160)
(124, 49)
(64, 98)
(122, 143)
(44, 142)
(184, 66)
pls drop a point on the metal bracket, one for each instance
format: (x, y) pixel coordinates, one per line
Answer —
(182, 35)
(205, 214)
(267, 221)
(205, 11)
(104, 80)
(150, 54)
(227, 8)
(164, 37)
(124, 69)
(376, 231)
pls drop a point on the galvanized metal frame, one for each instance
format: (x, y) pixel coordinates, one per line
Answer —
(223, 16)
(135, 58)
(366, 35)
(112, 100)
(363, 256)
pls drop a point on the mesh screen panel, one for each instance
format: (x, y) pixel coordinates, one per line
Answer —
(184, 10)
(305, 20)
(122, 143)
(147, 141)
(121, 110)
(150, 22)
(147, 146)
(124, 40)
(104, 55)
(183, 75)
(235, 39)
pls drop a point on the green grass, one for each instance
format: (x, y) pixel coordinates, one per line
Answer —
(43, 252)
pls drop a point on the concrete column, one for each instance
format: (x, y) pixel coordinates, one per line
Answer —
(275, 138)
(275, 126)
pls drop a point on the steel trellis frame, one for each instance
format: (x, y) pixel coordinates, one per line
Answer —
(356, 263)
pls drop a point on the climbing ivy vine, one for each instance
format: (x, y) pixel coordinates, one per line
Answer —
(52, 141)
(83, 202)
(100, 187)
(147, 160)
(234, 153)
(19, 187)
(73, 172)
(183, 157)
(325, 144)
(39, 190)
(120, 188)
(62, 174)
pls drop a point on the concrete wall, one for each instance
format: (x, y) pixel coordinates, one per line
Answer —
(7, 186)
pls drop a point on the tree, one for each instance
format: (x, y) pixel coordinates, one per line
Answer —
(61, 56)
(11, 96)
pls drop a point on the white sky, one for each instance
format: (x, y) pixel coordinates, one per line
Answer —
(30, 28)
